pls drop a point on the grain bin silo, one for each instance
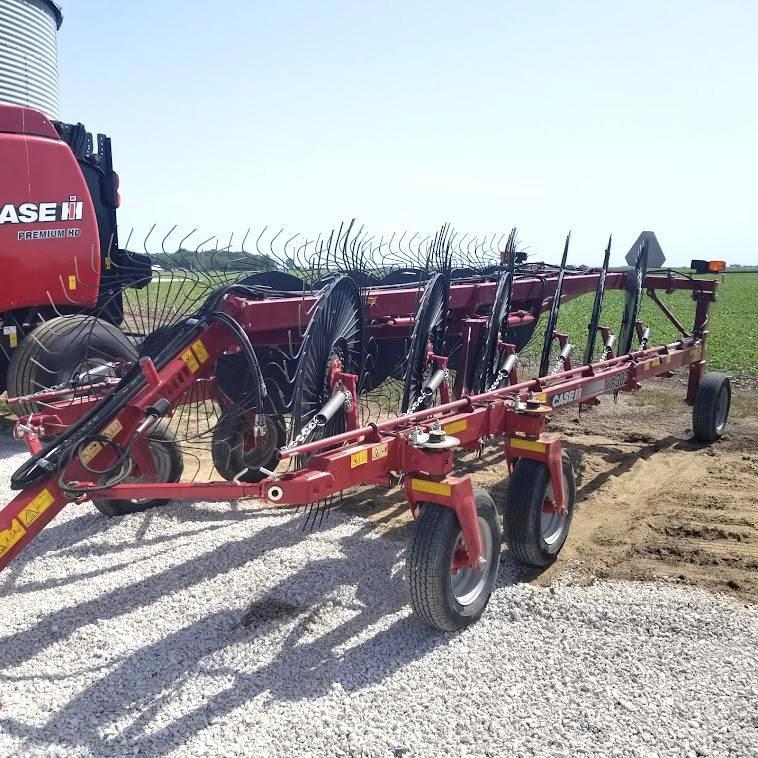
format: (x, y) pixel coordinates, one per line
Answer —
(29, 54)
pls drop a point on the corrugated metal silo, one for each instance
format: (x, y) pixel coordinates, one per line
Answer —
(29, 54)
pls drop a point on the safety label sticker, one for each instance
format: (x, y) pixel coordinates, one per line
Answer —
(36, 508)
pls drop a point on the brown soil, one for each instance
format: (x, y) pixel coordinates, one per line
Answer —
(651, 502)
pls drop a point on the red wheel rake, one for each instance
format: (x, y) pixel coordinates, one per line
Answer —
(292, 389)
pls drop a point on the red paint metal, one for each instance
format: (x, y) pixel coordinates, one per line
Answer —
(375, 452)
(19, 120)
(61, 271)
(461, 500)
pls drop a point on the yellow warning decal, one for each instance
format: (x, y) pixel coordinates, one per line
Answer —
(9, 537)
(198, 348)
(87, 453)
(113, 428)
(518, 444)
(72, 282)
(456, 426)
(379, 451)
(359, 458)
(433, 488)
(372, 300)
(107, 262)
(189, 358)
(36, 508)
(655, 362)
(540, 397)
(13, 339)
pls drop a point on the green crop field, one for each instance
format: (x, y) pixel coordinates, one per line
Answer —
(733, 340)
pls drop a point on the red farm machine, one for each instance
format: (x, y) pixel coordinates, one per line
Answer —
(58, 241)
(292, 374)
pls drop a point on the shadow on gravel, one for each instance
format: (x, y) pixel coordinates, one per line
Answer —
(64, 539)
(300, 617)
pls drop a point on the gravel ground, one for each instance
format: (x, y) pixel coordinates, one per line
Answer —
(209, 631)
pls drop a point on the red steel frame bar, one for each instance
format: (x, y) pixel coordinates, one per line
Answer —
(374, 452)
(271, 321)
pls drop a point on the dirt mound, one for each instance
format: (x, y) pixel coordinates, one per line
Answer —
(655, 503)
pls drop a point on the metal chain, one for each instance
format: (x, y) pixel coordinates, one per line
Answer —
(421, 399)
(496, 384)
(417, 403)
(304, 434)
(313, 424)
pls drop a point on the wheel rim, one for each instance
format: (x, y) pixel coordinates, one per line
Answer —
(553, 522)
(722, 410)
(466, 584)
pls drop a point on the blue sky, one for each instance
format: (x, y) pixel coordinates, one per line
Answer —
(592, 116)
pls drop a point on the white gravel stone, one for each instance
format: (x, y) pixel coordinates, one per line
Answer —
(207, 630)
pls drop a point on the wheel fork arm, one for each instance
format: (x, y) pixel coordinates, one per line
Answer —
(456, 493)
(546, 449)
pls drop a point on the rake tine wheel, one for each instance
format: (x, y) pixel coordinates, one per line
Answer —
(333, 342)
(428, 338)
(635, 280)
(553, 317)
(491, 357)
(597, 307)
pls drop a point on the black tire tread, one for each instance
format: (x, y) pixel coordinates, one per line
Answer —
(30, 352)
(427, 576)
(228, 459)
(706, 403)
(165, 436)
(526, 494)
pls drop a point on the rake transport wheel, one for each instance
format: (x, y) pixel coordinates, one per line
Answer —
(238, 452)
(491, 358)
(711, 409)
(428, 336)
(534, 530)
(444, 593)
(63, 350)
(333, 341)
(169, 465)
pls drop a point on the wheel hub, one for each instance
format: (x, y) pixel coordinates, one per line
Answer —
(467, 583)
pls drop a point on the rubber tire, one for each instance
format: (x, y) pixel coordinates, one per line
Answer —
(161, 435)
(705, 409)
(3, 370)
(226, 447)
(50, 354)
(522, 511)
(435, 534)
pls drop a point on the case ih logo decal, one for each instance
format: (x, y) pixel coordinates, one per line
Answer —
(33, 213)
(36, 213)
(566, 397)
